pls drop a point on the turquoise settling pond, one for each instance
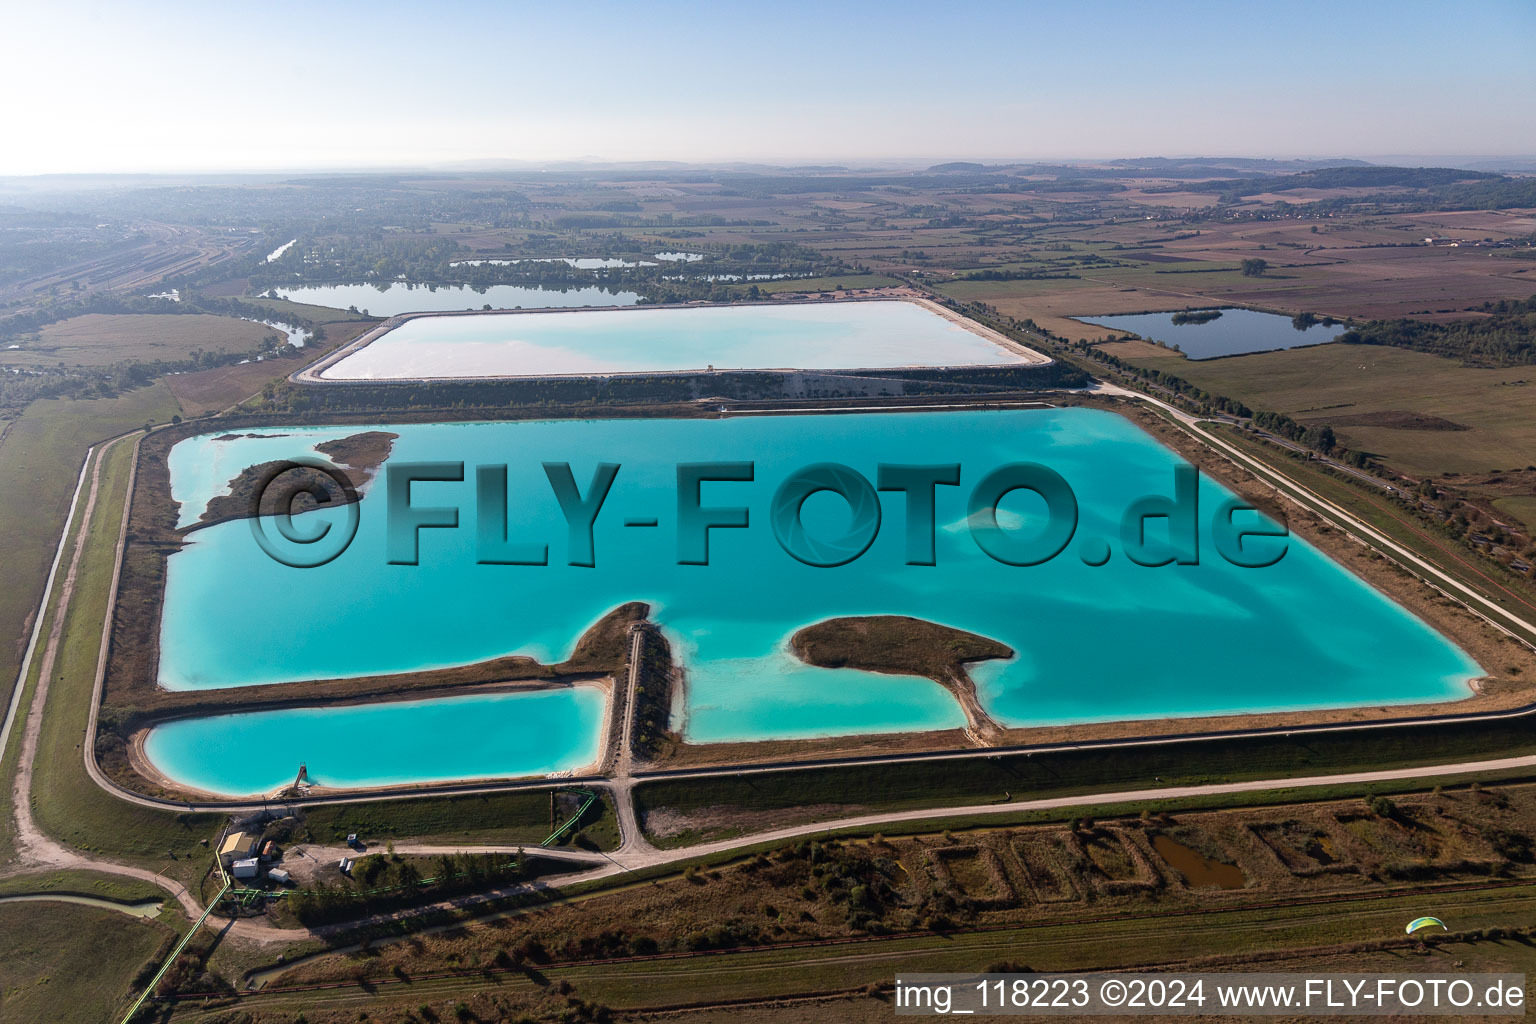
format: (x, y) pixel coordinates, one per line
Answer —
(809, 336)
(1113, 642)
(370, 745)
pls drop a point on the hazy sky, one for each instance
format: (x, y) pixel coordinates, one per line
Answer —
(156, 86)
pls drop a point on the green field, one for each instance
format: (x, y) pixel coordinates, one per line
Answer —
(489, 818)
(1325, 382)
(1523, 509)
(117, 888)
(101, 339)
(39, 463)
(65, 963)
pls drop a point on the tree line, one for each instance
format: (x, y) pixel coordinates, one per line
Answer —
(1506, 337)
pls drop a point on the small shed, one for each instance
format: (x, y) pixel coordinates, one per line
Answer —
(279, 876)
(245, 868)
(238, 846)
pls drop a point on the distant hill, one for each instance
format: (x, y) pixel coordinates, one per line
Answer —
(958, 165)
(1200, 167)
(1368, 176)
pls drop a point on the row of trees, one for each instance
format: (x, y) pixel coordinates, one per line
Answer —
(1507, 337)
(388, 880)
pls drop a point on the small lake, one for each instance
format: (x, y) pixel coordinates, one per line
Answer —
(144, 908)
(1114, 642)
(1235, 332)
(297, 336)
(1200, 871)
(810, 336)
(491, 736)
(394, 299)
(577, 262)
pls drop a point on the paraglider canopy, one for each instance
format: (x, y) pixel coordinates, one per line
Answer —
(1424, 922)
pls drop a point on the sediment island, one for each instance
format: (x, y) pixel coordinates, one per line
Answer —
(902, 645)
(302, 487)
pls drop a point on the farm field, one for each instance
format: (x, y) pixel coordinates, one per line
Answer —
(99, 339)
(1344, 282)
(216, 389)
(1491, 413)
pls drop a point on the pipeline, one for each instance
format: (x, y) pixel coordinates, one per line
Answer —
(176, 952)
(580, 811)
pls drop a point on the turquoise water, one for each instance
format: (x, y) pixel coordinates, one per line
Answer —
(1119, 641)
(202, 472)
(1235, 332)
(503, 735)
(394, 299)
(812, 336)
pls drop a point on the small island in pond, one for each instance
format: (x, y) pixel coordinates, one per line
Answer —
(901, 645)
(1196, 316)
(285, 487)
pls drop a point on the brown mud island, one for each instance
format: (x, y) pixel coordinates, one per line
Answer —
(902, 645)
(282, 487)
